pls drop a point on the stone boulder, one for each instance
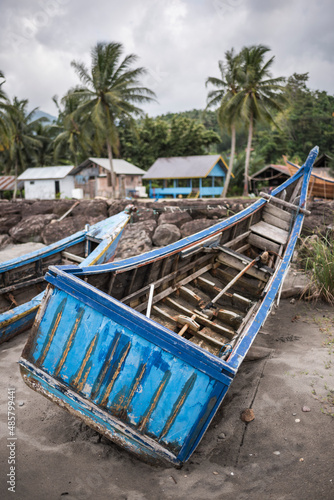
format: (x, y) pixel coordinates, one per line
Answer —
(143, 213)
(175, 218)
(62, 206)
(321, 218)
(5, 240)
(68, 226)
(116, 206)
(166, 234)
(8, 222)
(136, 239)
(40, 207)
(9, 208)
(91, 208)
(30, 228)
(195, 226)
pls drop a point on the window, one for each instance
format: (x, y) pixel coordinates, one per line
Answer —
(32, 182)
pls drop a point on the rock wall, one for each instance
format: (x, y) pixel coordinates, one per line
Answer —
(154, 224)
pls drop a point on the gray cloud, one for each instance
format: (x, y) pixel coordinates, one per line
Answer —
(178, 41)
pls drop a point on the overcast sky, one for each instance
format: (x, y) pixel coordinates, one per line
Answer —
(178, 41)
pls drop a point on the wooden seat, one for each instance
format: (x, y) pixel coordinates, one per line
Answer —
(272, 233)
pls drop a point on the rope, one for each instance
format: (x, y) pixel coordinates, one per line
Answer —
(228, 351)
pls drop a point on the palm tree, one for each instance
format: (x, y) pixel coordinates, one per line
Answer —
(227, 88)
(111, 89)
(22, 137)
(72, 138)
(4, 124)
(259, 94)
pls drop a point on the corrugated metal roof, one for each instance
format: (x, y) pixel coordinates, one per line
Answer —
(44, 173)
(184, 167)
(279, 168)
(121, 167)
(7, 183)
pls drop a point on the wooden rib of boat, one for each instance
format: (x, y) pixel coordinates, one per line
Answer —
(144, 350)
(320, 186)
(22, 281)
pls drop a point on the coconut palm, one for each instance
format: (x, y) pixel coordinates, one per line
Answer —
(22, 137)
(72, 138)
(227, 88)
(110, 91)
(4, 124)
(259, 94)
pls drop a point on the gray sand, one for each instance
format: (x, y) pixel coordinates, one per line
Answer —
(284, 454)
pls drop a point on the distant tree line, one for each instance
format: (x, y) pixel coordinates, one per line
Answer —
(251, 118)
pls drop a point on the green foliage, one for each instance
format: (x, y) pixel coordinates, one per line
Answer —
(307, 120)
(159, 137)
(23, 141)
(316, 257)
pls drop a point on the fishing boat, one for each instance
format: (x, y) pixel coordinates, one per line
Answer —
(320, 186)
(144, 350)
(22, 279)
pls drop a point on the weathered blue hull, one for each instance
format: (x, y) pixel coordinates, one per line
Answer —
(105, 234)
(133, 379)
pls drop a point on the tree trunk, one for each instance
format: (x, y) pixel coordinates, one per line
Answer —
(15, 182)
(112, 173)
(248, 151)
(230, 166)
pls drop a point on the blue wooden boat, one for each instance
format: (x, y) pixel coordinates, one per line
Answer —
(22, 279)
(144, 350)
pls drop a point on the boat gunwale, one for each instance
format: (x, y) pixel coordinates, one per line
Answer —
(64, 243)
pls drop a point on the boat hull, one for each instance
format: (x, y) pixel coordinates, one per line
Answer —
(154, 396)
(138, 382)
(107, 234)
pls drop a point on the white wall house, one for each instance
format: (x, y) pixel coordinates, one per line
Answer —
(48, 183)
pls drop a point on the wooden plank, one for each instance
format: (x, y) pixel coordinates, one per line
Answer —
(210, 336)
(277, 222)
(271, 232)
(200, 318)
(167, 278)
(271, 209)
(17, 286)
(236, 300)
(263, 243)
(243, 248)
(71, 256)
(239, 262)
(236, 240)
(284, 203)
(174, 287)
(249, 285)
(190, 295)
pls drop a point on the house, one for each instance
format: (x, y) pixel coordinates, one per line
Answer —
(268, 177)
(48, 183)
(196, 176)
(93, 177)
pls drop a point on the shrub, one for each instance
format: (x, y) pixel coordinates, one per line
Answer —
(316, 257)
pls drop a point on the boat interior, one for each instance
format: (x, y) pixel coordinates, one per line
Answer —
(209, 292)
(20, 283)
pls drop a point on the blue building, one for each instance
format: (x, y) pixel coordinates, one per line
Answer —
(190, 176)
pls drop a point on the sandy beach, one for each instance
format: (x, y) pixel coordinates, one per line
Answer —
(285, 453)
